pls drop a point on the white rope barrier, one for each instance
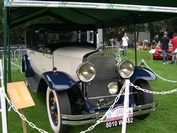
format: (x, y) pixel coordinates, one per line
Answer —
(172, 81)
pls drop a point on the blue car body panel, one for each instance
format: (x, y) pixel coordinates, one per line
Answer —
(58, 81)
(142, 73)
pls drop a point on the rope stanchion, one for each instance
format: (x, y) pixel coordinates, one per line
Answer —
(126, 105)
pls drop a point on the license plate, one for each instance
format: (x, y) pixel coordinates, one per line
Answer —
(115, 117)
(116, 123)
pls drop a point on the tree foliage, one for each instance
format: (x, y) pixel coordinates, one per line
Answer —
(157, 27)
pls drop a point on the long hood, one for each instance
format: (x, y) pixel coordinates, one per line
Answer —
(73, 52)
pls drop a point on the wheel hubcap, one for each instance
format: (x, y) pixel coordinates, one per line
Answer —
(53, 108)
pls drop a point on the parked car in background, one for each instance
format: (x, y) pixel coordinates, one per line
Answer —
(158, 51)
(81, 82)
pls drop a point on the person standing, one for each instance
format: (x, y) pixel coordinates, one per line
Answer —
(145, 44)
(117, 44)
(164, 44)
(111, 41)
(125, 44)
(174, 43)
(155, 39)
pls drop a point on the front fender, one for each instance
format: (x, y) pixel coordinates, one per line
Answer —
(142, 73)
(57, 81)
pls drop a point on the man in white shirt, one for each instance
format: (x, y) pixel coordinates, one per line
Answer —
(125, 44)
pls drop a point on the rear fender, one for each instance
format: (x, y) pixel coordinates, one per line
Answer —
(142, 73)
(57, 81)
(26, 67)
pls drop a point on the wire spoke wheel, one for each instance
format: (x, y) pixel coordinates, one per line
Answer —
(57, 104)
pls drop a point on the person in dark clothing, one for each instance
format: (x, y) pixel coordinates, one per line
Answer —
(155, 40)
(164, 44)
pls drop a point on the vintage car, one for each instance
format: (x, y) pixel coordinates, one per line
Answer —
(158, 52)
(81, 81)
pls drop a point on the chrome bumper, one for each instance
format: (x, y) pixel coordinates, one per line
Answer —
(74, 120)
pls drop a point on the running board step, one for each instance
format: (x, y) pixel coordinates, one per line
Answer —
(32, 82)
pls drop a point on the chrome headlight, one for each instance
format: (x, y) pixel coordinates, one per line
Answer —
(86, 71)
(113, 88)
(125, 69)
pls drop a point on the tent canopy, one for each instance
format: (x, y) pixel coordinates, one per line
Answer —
(111, 17)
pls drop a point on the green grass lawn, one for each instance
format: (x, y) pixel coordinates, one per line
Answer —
(163, 120)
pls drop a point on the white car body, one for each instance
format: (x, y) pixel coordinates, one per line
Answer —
(55, 52)
(66, 59)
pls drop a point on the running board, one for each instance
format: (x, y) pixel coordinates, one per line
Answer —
(32, 82)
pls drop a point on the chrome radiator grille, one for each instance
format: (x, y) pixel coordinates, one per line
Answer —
(105, 72)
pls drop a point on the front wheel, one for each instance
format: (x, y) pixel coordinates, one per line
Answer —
(140, 97)
(57, 104)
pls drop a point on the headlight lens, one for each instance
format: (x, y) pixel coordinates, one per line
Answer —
(113, 88)
(125, 69)
(86, 72)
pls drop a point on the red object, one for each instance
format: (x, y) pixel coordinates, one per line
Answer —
(174, 43)
(158, 52)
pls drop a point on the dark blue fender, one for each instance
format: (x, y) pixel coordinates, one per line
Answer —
(142, 73)
(26, 67)
(58, 81)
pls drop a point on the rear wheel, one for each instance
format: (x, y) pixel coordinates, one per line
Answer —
(57, 104)
(140, 97)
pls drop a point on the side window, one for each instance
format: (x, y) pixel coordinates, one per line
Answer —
(39, 40)
(30, 39)
(90, 36)
(53, 38)
(83, 36)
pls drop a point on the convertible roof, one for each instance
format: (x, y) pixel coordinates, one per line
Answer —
(116, 13)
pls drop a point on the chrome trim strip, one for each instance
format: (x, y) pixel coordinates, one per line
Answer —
(106, 96)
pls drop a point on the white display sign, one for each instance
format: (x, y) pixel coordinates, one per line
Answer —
(152, 51)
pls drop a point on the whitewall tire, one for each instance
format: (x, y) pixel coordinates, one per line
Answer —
(57, 104)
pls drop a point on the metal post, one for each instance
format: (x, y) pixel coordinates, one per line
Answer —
(9, 53)
(126, 105)
(135, 40)
(3, 102)
(4, 82)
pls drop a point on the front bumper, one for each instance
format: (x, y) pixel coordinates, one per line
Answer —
(74, 120)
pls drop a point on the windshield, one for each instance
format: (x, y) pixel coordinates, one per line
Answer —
(56, 36)
(70, 36)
